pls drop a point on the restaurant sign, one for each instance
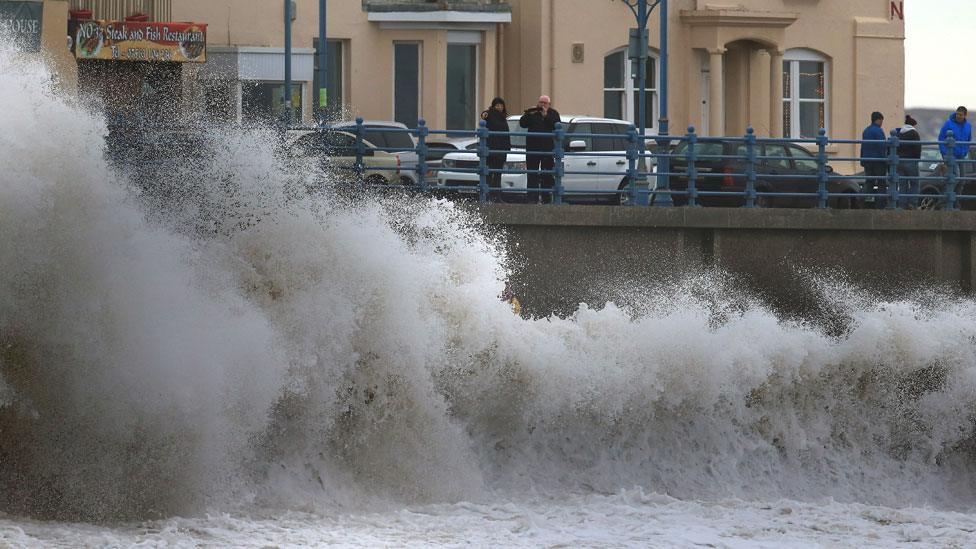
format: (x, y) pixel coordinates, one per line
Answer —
(140, 41)
(20, 22)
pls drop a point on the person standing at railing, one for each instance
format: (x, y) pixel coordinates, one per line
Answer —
(496, 118)
(873, 155)
(962, 130)
(910, 152)
(540, 119)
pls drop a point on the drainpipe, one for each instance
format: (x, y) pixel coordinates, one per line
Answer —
(552, 48)
(287, 94)
(323, 98)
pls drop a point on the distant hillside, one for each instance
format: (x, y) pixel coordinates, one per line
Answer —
(930, 120)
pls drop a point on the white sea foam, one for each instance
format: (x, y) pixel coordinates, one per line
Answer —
(219, 339)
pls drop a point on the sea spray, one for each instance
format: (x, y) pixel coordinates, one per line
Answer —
(240, 333)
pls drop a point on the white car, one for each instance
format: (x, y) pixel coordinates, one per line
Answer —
(438, 147)
(609, 156)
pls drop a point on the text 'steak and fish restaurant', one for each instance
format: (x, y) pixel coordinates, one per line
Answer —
(135, 66)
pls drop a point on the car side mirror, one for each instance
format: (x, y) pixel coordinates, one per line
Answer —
(829, 168)
(577, 145)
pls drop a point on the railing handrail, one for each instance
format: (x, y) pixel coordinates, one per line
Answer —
(748, 181)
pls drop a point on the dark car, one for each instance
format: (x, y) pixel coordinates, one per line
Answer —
(932, 184)
(780, 168)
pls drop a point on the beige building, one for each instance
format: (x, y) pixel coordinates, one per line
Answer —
(786, 67)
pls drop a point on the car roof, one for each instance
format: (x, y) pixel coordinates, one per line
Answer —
(291, 136)
(374, 123)
(459, 142)
(576, 118)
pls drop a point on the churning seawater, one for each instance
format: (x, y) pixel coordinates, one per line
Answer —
(226, 351)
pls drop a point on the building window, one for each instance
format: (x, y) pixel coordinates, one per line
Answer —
(805, 94)
(462, 71)
(333, 78)
(620, 93)
(406, 83)
(262, 102)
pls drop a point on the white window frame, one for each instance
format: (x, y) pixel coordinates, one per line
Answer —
(629, 89)
(792, 58)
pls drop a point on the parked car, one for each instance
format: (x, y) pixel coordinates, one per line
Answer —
(609, 157)
(337, 151)
(777, 167)
(437, 148)
(932, 172)
(389, 136)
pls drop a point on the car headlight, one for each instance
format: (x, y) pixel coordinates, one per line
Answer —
(447, 163)
(517, 166)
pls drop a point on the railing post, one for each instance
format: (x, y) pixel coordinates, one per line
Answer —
(892, 171)
(632, 164)
(691, 156)
(663, 171)
(360, 147)
(750, 167)
(482, 162)
(822, 193)
(422, 132)
(560, 134)
(950, 188)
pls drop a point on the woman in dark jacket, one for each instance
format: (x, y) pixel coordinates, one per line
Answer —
(496, 119)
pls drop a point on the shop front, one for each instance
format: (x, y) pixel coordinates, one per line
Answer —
(134, 69)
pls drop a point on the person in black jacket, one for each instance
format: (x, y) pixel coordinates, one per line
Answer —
(496, 117)
(540, 119)
(909, 151)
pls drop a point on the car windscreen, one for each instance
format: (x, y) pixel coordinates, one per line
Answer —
(701, 149)
(385, 137)
(436, 151)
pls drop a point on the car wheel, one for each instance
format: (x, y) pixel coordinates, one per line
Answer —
(845, 202)
(376, 180)
(763, 201)
(406, 181)
(930, 201)
(622, 198)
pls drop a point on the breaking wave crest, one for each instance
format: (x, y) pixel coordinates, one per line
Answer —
(234, 333)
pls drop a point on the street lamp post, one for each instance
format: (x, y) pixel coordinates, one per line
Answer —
(638, 51)
(286, 100)
(323, 52)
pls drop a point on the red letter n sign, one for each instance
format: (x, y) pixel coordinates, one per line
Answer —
(898, 9)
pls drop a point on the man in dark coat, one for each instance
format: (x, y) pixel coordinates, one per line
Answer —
(909, 151)
(873, 156)
(540, 119)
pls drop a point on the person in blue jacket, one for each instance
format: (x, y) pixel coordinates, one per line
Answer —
(962, 130)
(873, 155)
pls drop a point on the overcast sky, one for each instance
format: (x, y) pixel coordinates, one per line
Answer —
(939, 50)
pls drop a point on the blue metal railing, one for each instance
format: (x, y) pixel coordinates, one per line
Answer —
(701, 170)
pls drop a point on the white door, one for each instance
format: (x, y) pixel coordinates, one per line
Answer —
(613, 169)
(584, 166)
